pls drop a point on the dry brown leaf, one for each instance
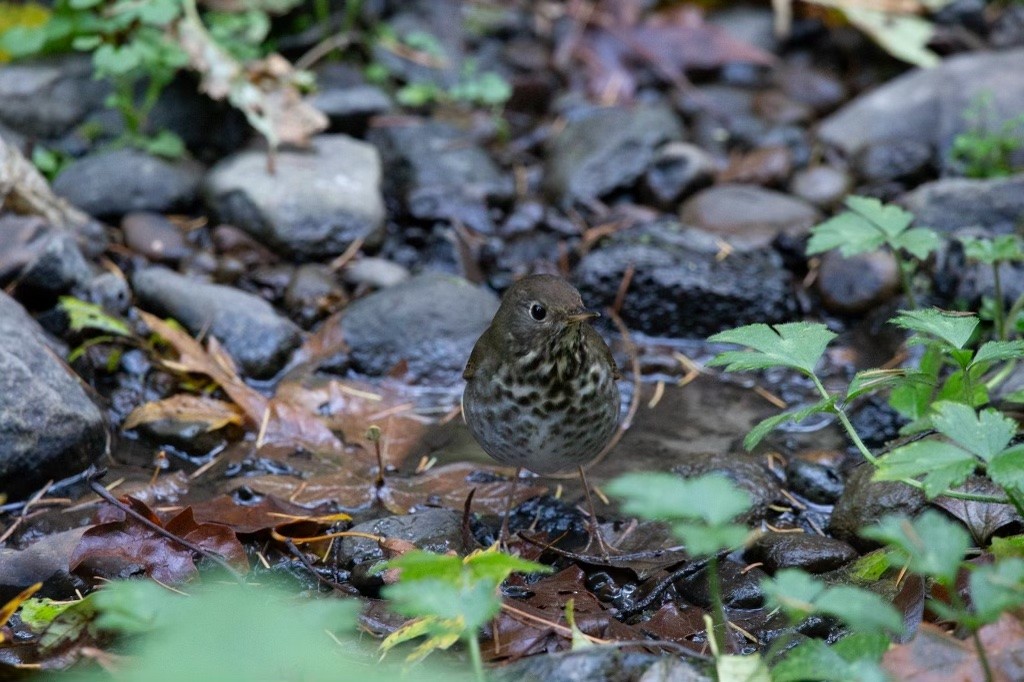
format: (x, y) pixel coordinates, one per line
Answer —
(183, 407)
(936, 656)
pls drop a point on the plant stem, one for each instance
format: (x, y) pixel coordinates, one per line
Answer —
(1015, 310)
(982, 656)
(906, 280)
(1000, 320)
(717, 608)
(474, 655)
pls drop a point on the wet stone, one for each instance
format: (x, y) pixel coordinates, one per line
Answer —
(823, 186)
(877, 423)
(864, 502)
(954, 203)
(312, 293)
(430, 322)
(112, 183)
(748, 217)
(155, 237)
(765, 166)
(432, 530)
(677, 170)
(45, 98)
(894, 159)
(745, 472)
(855, 284)
(601, 663)
(741, 586)
(44, 561)
(40, 262)
(679, 291)
(815, 476)
(607, 149)
(110, 291)
(811, 552)
(49, 427)
(252, 332)
(378, 273)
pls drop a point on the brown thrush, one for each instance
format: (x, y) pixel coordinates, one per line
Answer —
(541, 391)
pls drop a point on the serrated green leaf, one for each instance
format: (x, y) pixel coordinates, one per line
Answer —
(83, 315)
(812, 659)
(766, 426)
(997, 351)
(798, 345)
(711, 498)
(848, 232)
(955, 329)
(420, 565)
(997, 588)
(890, 219)
(1007, 469)
(495, 566)
(1012, 546)
(931, 545)
(475, 603)
(942, 464)
(1003, 248)
(919, 242)
(799, 595)
(703, 540)
(984, 434)
(871, 380)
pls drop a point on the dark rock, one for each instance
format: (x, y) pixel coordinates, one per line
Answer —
(182, 104)
(312, 293)
(46, 98)
(820, 90)
(112, 183)
(602, 663)
(928, 105)
(44, 561)
(430, 321)
(894, 159)
(745, 472)
(876, 422)
(954, 203)
(764, 166)
(751, 25)
(748, 217)
(349, 109)
(155, 237)
(315, 204)
(49, 428)
(1008, 28)
(677, 170)
(855, 284)
(258, 339)
(864, 502)
(110, 291)
(378, 273)
(823, 186)
(815, 476)
(776, 107)
(432, 530)
(440, 173)
(607, 149)
(41, 261)
(679, 292)
(740, 585)
(813, 553)
(438, 27)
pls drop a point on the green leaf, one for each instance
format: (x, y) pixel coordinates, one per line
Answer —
(997, 588)
(930, 544)
(955, 329)
(741, 668)
(798, 345)
(890, 219)
(766, 426)
(701, 540)
(711, 498)
(913, 399)
(919, 242)
(420, 565)
(997, 351)
(871, 380)
(1012, 546)
(495, 566)
(1007, 469)
(985, 435)
(848, 232)
(165, 144)
(475, 603)
(1004, 248)
(799, 595)
(418, 94)
(83, 315)
(943, 465)
(851, 658)
(86, 43)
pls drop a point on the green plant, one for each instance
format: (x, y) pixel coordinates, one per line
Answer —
(985, 150)
(700, 512)
(450, 598)
(868, 225)
(996, 252)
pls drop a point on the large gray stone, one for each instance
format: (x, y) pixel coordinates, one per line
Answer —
(430, 321)
(315, 204)
(112, 183)
(47, 97)
(607, 149)
(928, 105)
(950, 204)
(255, 336)
(49, 428)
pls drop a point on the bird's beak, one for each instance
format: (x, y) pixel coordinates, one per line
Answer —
(582, 315)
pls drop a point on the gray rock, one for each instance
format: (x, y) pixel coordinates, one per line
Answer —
(679, 292)
(312, 293)
(432, 530)
(856, 284)
(864, 502)
(602, 663)
(375, 272)
(815, 476)
(44, 561)
(678, 169)
(315, 205)
(43, 262)
(740, 586)
(155, 237)
(823, 186)
(928, 105)
(811, 552)
(751, 25)
(110, 291)
(255, 336)
(607, 149)
(440, 173)
(748, 217)
(430, 321)
(49, 428)
(349, 109)
(950, 204)
(48, 97)
(112, 183)
(745, 472)
(894, 159)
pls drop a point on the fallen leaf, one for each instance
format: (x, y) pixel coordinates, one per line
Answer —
(183, 407)
(982, 519)
(266, 513)
(936, 656)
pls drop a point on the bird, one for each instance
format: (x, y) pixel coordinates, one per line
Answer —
(541, 386)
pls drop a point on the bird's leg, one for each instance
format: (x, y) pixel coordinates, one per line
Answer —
(503, 535)
(595, 531)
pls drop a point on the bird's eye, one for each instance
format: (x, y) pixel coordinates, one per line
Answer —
(538, 312)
